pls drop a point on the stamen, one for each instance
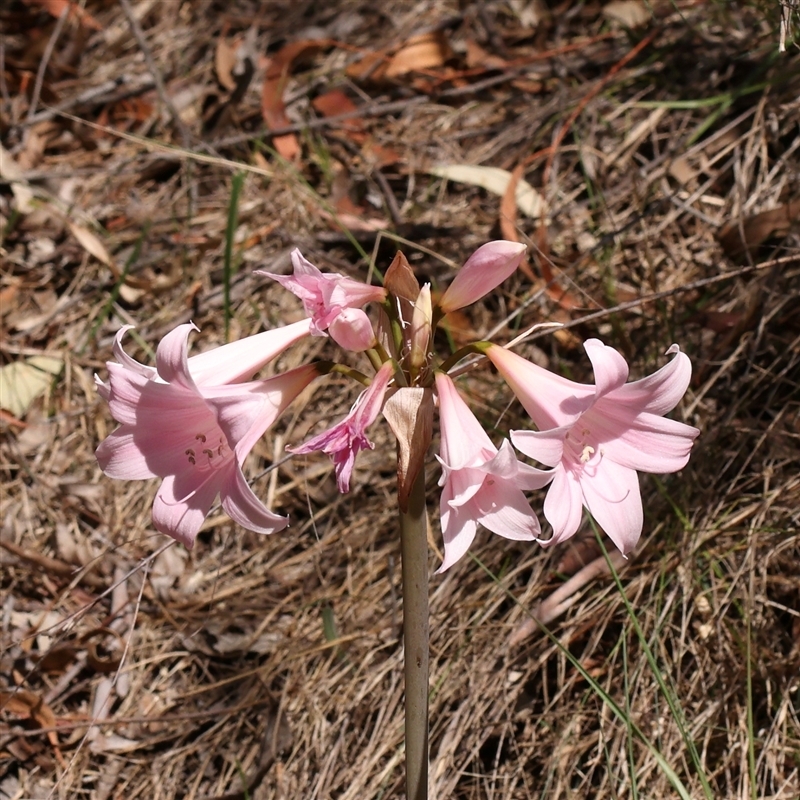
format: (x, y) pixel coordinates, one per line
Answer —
(587, 453)
(201, 437)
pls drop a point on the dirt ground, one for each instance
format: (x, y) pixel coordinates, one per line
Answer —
(156, 152)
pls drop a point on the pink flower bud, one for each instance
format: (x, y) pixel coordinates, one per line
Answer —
(352, 330)
(483, 271)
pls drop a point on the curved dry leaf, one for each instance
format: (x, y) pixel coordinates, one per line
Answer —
(630, 13)
(494, 180)
(91, 244)
(426, 51)
(224, 62)
(21, 382)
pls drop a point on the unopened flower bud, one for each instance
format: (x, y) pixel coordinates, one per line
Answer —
(483, 271)
(421, 329)
(352, 330)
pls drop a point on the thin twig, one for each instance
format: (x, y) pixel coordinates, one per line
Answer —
(46, 56)
(155, 72)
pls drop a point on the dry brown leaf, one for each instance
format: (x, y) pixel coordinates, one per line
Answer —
(92, 244)
(21, 382)
(494, 180)
(336, 102)
(57, 7)
(508, 217)
(740, 237)
(630, 13)
(427, 51)
(28, 705)
(275, 79)
(224, 62)
(478, 57)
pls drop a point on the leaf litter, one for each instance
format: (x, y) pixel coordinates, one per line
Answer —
(668, 213)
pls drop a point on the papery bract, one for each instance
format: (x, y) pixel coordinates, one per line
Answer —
(483, 271)
(324, 294)
(596, 437)
(347, 438)
(481, 484)
(195, 436)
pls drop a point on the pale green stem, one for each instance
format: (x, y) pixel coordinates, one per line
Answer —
(414, 549)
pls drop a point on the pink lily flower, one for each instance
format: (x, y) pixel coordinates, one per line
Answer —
(326, 294)
(181, 426)
(597, 437)
(347, 438)
(481, 484)
(483, 271)
(229, 363)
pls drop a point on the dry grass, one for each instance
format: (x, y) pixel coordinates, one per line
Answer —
(276, 662)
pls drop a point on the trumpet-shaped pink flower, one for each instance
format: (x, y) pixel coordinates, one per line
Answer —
(177, 424)
(483, 271)
(481, 484)
(325, 295)
(596, 437)
(347, 438)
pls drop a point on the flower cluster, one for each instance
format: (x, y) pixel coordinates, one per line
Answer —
(192, 421)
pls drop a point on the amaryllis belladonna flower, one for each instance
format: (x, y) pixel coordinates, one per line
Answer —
(347, 438)
(596, 437)
(325, 295)
(182, 422)
(481, 484)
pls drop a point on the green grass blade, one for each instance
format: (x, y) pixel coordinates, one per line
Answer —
(613, 706)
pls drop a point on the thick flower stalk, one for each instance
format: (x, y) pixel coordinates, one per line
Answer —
(481, 484)
(179, 424)
(597, 437)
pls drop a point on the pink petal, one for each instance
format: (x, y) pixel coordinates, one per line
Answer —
(352, 330)
(463, 438)
(458, 530)
(504, 510)
(462, 484)
(563, 506)
(483, 271)
(349, 293)
(125, 359)
(240, 360)
(613, 498)
(550, 400)
(660, 392)
(610, 368)
(546, 447)
(120, 457)
(651, 444)
(244, 507)
(506, 467)
(181, 516)
(245, 411)
(172, 361)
